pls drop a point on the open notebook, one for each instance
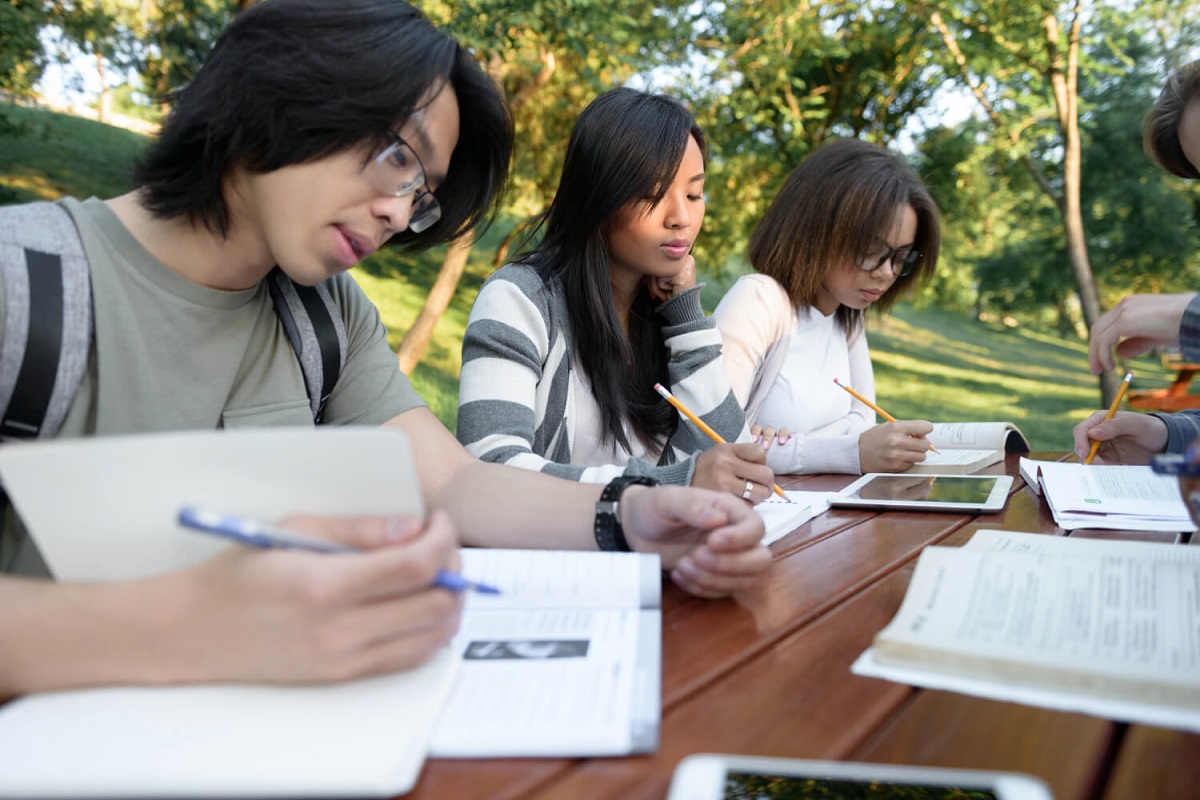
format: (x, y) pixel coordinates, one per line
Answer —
(363, 739)
(566, 662)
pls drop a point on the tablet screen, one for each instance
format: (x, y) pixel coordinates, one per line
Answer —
(927, 488)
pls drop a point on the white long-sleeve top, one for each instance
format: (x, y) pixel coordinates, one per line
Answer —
(781, 364)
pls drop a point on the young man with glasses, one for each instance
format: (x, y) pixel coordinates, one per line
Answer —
(315, 133)
(852, 228)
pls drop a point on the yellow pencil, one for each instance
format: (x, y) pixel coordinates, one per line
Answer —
(702, 425)
(872, 406)
(1111, 410)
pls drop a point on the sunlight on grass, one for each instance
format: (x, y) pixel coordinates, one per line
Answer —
(936, 366)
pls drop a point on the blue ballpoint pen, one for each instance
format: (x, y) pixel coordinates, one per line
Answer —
(258, 534)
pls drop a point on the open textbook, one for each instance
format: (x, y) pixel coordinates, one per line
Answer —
(565, 662)
(584, 625)
(1116, 497)
(1098, 626)
(967, 447)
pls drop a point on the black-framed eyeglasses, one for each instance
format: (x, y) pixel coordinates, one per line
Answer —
(903, 260)
(398, 171)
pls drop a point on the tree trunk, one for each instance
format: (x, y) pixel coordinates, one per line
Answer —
(1064, 82)
(412, 347)
(104, 101)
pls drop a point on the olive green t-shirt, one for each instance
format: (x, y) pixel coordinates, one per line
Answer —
(169, 354)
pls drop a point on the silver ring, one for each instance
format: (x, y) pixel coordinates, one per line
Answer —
(749, 490)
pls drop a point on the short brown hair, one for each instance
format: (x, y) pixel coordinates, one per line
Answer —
(832, 210)
(1160, 131)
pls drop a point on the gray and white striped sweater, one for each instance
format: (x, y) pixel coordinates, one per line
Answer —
(516, 399)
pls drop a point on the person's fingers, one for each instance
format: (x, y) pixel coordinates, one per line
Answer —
(694, 578)
(360, 532)
(370, 623)
(391, 655)
(397, 570)
(744, 452)
(1084, 433)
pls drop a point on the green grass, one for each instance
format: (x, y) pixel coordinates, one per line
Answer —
(58, 154)
(929, 363)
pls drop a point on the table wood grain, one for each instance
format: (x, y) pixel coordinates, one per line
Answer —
(768, 673)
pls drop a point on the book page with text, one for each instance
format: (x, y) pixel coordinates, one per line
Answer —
(998, 541)
(551, 683)
(565, 662)
(1120, 625)
(559, 578)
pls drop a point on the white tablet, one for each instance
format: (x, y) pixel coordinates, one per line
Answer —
(926, 492)
(708, 776)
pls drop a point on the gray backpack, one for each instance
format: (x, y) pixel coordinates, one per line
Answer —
(48, 324)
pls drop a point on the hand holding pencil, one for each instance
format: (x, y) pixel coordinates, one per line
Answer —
(1128, 437)
(718, 466)
(1112, 409)
(893, 446)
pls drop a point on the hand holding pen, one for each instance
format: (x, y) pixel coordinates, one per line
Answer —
(261, 535)
(249, 615)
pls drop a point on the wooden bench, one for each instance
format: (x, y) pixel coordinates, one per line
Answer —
(1175, 397)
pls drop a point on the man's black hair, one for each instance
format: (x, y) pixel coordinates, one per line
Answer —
(291, 81)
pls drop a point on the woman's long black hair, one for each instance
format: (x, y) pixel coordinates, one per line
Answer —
(625, 148)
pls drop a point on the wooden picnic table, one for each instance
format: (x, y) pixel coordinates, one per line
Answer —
(768, 673)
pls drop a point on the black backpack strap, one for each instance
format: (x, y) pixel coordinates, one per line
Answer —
(315, 328)
(47, 322)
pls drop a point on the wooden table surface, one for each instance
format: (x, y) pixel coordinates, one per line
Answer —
(768, 673)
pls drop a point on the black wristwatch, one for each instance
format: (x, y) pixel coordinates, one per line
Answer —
(609, 535)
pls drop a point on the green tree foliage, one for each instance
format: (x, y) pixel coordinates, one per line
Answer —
(1005, 251)
(782, 78)
(178, 35)
(552, 57)
(21, 56)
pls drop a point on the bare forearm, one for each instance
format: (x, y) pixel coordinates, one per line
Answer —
(499, 506)
(58, 636)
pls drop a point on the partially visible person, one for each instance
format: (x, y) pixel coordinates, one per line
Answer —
(1135, 325)
(316, 132)
(852, 228)
(564, 346)
(1171, 137)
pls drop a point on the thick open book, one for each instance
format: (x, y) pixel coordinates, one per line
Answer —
(566, 662)
(967, 447)
(1078, 622)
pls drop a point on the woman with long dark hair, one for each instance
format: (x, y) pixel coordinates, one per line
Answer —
(564, 347)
